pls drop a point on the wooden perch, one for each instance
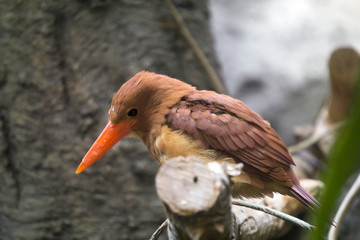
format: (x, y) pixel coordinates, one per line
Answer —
(254, 224)
(197, 199)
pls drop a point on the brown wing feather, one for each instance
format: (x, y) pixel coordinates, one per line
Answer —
(228, 125)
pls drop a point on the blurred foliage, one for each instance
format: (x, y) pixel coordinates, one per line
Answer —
(343, 160)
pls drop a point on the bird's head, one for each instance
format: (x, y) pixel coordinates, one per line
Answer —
(140, 104)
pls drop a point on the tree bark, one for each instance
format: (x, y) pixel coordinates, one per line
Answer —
(197, 199)
(60, 63)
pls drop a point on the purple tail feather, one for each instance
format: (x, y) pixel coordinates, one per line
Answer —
(303, 196)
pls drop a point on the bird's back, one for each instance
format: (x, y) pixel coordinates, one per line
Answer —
(227, 129)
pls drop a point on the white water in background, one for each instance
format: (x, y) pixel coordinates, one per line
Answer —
(273, 53)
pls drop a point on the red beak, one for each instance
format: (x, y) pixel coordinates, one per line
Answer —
(111, 134)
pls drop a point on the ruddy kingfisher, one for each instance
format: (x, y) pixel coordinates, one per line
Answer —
(174, 119)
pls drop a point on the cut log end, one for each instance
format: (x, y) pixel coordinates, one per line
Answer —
(197, 198)
(195, 188)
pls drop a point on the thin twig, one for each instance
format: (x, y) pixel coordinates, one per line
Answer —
(213, 76)
(274, 212)
(158, 231)
(355, 188)
(314, 138)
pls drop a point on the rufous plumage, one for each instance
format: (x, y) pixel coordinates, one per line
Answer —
(174, 119)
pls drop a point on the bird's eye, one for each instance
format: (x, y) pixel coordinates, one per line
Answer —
(132, 112)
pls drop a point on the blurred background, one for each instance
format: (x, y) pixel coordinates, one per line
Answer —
(274, 54)
(61, 62)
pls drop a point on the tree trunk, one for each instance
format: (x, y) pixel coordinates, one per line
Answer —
(61, 61)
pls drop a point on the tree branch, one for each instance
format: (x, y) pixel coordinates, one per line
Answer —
(274, 212)
(213, 76)
(160, 229)
(196, 196)
(314, 138)
(197, 199)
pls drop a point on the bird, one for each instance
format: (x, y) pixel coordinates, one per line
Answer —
(175, 119)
